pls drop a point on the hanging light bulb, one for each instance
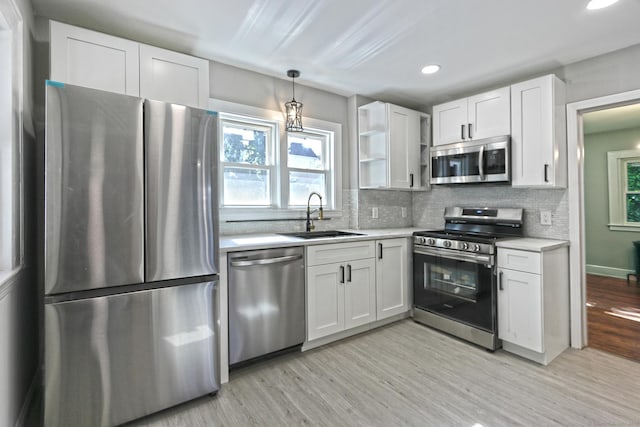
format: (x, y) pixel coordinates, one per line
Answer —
(294, 108)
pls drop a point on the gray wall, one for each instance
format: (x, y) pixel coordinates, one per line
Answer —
(603, 75)
(19, 314)
(605, 248)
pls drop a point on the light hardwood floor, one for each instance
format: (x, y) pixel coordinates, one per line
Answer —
(408, 374)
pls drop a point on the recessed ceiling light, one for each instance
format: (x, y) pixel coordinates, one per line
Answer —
(430, 69)
(600, 4)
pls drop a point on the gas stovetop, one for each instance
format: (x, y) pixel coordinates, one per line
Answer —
(472, 229)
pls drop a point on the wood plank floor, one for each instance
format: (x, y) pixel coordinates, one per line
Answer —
(613, 316)
(408, 374)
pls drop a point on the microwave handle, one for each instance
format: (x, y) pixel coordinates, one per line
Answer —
(481, 163)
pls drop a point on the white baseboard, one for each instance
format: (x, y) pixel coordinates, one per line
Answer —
(601, 270)
(28, 400)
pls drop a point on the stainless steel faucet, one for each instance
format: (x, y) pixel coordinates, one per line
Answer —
(310, 225)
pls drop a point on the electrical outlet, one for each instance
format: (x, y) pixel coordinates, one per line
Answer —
(404, 212)
(374, 212)
(545, 217)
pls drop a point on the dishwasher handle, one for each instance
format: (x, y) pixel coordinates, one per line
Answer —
(265, 261)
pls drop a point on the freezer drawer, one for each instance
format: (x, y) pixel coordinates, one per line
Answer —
(112, 359)
(181, 206)
(94, 208)
(266, 302)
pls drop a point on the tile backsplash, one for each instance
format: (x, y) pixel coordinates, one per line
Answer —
(428, 207)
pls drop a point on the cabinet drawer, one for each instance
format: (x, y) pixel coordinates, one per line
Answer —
(339, 252)
(519, 260)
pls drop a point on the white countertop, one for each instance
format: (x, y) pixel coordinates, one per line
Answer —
(532, 244)
(243, 242)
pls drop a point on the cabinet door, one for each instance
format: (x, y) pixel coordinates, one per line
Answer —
(360, 293)
(392, 286)
(448, 120)
(325, 300)
(173, 77)
(489, 114)
(520, 309)
(87, 58)
(535, 143)
(404, 147)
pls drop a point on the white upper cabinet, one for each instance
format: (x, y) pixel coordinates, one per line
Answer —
(389, 146)
(538, 137)
(95, 60)
(87, 58)
(476, 117)
(173, 77)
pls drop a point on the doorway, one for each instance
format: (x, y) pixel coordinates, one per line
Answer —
(577, 222)
(611, 202)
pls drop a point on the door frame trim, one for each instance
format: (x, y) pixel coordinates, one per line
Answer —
(577, 251)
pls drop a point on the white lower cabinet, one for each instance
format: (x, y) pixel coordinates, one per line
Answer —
(533, 298)
(353, 284)
(392, 283)
(340, 295)
(520, 309)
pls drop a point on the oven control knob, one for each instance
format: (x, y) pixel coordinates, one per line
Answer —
(446, 244)
(476, 247)
(465, 245)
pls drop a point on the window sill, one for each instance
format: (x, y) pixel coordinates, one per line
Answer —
(248, 214)
(624, 227)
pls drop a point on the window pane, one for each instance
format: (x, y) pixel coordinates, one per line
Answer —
(305, 152)
(301, 184)
(633, 176)
(244, 144)
(246, 187)
(633, 207)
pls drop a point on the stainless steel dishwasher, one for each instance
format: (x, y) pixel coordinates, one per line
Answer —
(266, 302)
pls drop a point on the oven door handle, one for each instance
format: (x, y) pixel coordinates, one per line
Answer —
(481, 163)
(456, 255)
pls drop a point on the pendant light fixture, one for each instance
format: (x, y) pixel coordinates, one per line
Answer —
(294, 108)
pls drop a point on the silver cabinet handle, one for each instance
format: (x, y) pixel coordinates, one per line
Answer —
(342, 274)
(348, 272)
(500, 281)
(379, 250)
(470, 135)
(462, 132)
(411, 180)
(266, 261)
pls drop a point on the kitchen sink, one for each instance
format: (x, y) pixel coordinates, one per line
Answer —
(320, 234)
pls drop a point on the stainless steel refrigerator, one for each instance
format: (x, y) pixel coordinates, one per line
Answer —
(130, 256)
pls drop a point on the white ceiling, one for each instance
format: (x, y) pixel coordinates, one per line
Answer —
(611, 119)
(374, 48)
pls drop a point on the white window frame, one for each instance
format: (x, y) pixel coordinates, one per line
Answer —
(617, 167)
(11, 141)
(328, 155)
(333, 204)
(271, 161)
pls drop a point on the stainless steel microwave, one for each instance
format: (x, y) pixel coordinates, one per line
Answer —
(484, 160)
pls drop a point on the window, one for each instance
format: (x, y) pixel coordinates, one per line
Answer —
(267, 173)
(11, 126)
(624, 190)
(247, 161)
(308, 168)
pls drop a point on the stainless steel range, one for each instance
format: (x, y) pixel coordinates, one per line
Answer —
(454, 272)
